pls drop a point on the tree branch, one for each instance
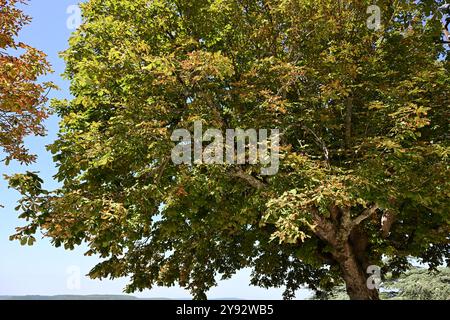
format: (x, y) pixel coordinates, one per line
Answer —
(387, 220)
(364, 215)
(319, 141)
(254, 182)
(323, 228)
(348, 124)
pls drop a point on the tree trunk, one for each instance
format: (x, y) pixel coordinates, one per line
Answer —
(354, 274)
(349, 243)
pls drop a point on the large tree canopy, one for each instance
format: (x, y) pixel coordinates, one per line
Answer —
(21, 96)
(363, 116)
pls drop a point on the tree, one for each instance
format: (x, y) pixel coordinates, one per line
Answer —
(363, 116)
(419, 284)
(22, 98)
(415, 284)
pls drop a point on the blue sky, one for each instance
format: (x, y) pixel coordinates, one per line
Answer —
(43, 269)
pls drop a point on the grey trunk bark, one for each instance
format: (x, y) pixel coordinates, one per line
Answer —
(354, 275)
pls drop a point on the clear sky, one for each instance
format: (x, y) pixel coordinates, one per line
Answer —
(43, 269)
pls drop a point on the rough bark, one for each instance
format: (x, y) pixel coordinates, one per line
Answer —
(349, 243)
(354, 274)
(387, 220)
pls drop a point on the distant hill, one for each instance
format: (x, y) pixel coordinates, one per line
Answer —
(91, 297)
(77, 297)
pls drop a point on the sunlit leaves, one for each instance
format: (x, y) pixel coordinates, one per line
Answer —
(22, 97)
(363, 117)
